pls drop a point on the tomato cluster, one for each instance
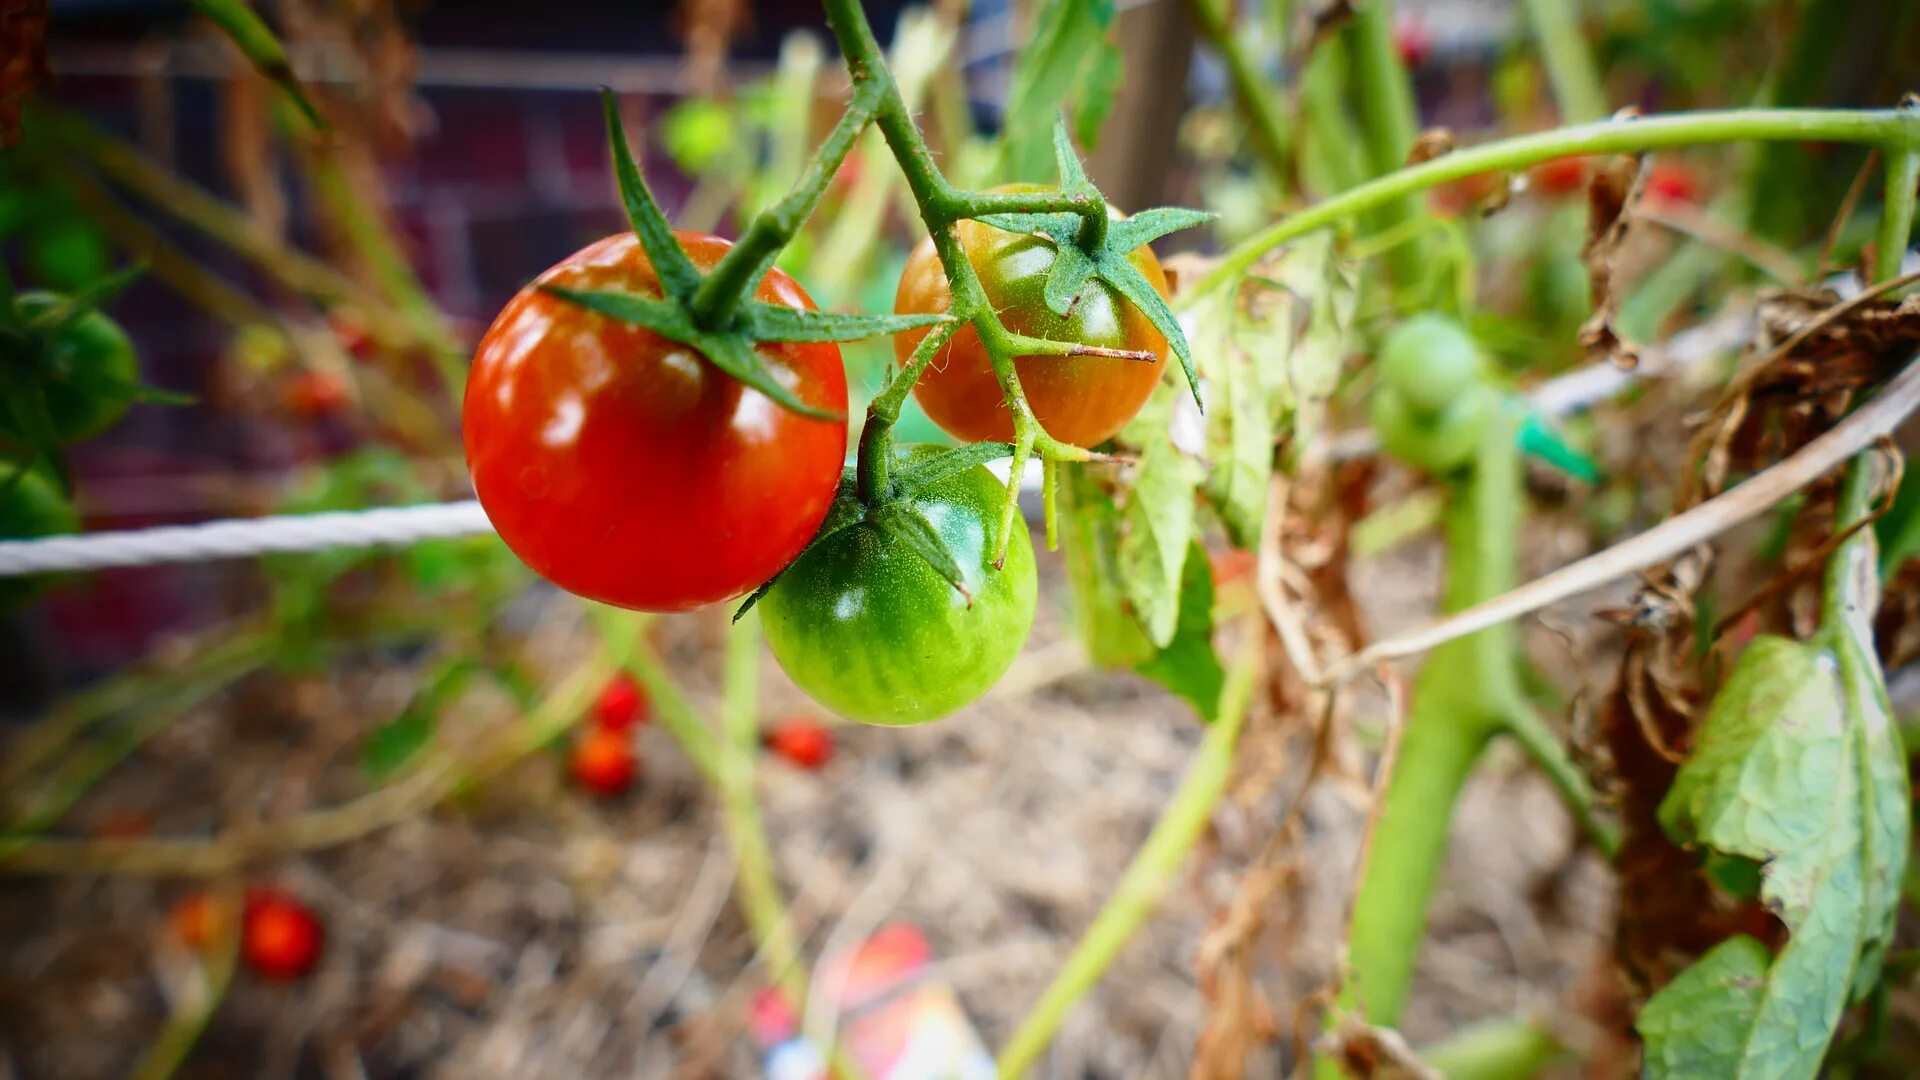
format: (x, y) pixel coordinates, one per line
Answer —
(280, 937)
(632, 468)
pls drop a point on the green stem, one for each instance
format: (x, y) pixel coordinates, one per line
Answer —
(739, 271)
(1889, 128)
(1148, 876)
(1576, 82)
(1505, 1049)
(1258, 99)
(1896, 217)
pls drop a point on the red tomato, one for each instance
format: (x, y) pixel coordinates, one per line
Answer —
(315, 394)
(1670, 182)
(620, 704)
(279, 937)
(623, 467)
(1231, 567)
(1412, 41)
(1456, 197)
(1081, 400)
(1560, 177)
(603, 762)
(802, 740)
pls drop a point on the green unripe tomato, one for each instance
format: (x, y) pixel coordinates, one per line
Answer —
(31, 506)
(1431, 360)
(93, 366)
(67, 253)
(867, 628)
(1437, 443)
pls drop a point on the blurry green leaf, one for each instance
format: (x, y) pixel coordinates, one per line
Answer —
(1157, 518)
(389, 747)
(1099, 87)
(1240, 420)
(251, 36)
(696, 132)
(1782, 775)
(1089, 541)
(1066, 41)
(1188, 665)
(1324, 293)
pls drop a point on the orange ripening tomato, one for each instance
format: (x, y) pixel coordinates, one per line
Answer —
(1670, 182)
(625, 468)
(802, 740)
(603, 762)
(1083, 400)
(199, 919)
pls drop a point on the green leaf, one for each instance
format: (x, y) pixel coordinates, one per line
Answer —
(676, 272)
(1099, 87)
(1089, 542)
(1324, 294)
(256, 42)
(770, 322)
(907, 525)
(1157, 519)
(1240, 421)
(388, 748)
(924, 472)
(1776, 776)
(1188, 665)
(1065, 40)
(697, 133)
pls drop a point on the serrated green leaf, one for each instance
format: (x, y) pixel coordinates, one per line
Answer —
(924, 472)
(1775, 777)
(1048, 68)
(1099, 87)
(263, 50)
(1157, 519)
(1188, 666)
(670, 263)
(771, 322)
(1089, 542)
(1694, 1026)
(907, 525)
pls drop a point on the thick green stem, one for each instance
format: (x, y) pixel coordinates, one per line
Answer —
(1383, 96)
(1148, 876)
(1258, 100)
(1896, 217)
(1888, 128)
(1507, 1049)
(739, 271)
(1576, 82)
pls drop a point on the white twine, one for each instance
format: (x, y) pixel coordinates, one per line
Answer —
(384, 527)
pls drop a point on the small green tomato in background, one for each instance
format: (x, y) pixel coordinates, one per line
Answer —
(92, 366)
(31, 506)
(1431, 360)
(869, 629)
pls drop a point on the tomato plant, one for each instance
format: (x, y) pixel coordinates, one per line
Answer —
(31, 505)
(1082, 400)
(89, 368)
(868, 628)
(280, 937)
(621, 466)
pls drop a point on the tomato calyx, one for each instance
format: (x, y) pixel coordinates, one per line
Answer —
(892, 510)
(1095, 247)
(727, 342)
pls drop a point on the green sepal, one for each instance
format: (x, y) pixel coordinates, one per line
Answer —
(926, 472)
(771, 322)
(22, 396)
(901, 520)
(732, 351)
(76, 305)
(676, 272)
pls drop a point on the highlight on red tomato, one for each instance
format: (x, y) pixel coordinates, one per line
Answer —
(280, 938)
(622, 466)
(802, 741)
(1083, 400)
(868, 628)
(620, 704)
(603, 762)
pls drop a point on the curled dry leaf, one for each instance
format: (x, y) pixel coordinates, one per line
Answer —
(1611, 197)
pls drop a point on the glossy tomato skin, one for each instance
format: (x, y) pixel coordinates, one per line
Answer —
(279, 937)
(868, 629)
(1083, 400)
(620, 704)
(622, 466)
(603, 761)
(93, 363)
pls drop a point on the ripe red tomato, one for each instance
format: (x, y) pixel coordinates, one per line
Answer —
(1412, 40)
(1560, 177)
(1670, 182)
(603, 762)
(315, 394)
(620, 703)
(1081, 400)
(622, 467)
(279, 937)
(802, 740)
